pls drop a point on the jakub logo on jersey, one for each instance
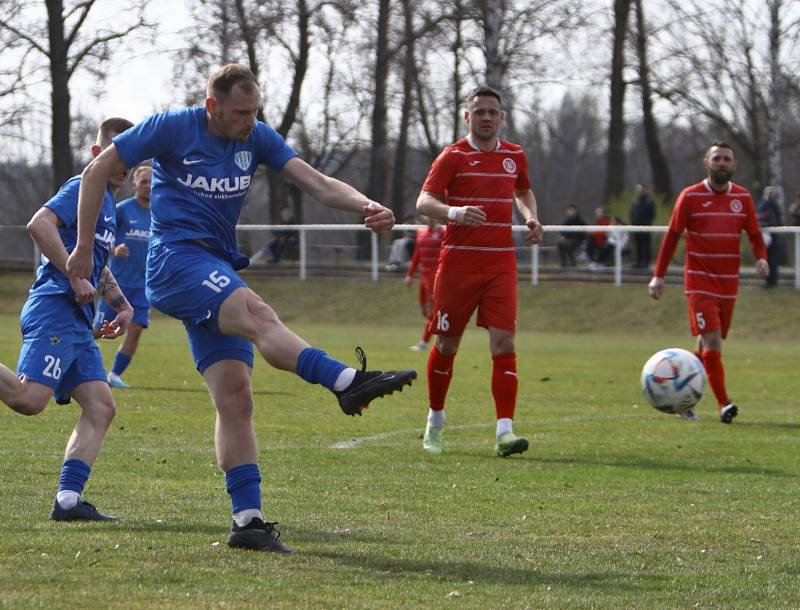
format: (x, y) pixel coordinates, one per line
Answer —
(243, 159)
(509, 165)
(736, 206)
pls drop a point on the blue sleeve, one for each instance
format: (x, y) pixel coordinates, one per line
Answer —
(65, 202)
(271, 148)
(154, 136)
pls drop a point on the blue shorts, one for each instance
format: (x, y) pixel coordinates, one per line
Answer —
(190, 283)
(58, 349)
(138, 300)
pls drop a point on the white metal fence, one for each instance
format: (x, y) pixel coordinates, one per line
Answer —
(302, 231)
(7, 231)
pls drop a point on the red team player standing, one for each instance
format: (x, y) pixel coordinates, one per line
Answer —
(473, 185)
(713, 213)
(426, 258)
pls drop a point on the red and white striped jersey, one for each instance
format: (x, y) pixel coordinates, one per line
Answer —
(426, 252)
(464, 175)
(713, 223)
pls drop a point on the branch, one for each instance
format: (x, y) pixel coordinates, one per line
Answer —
(25, 37)
(85, 7)
(76, 60)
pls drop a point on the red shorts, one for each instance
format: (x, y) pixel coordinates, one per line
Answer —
(457, 294)
(707, 314)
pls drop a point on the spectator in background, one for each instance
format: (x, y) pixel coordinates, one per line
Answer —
(426, 257)
(598, 247)
(570, 242)
(794, 210)
(643, 212)
(770, 215)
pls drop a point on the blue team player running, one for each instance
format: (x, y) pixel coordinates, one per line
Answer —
(203, 161)
(59, 355)
(127, 263)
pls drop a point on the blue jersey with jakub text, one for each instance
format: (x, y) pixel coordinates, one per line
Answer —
(133, 230)
(64, 204)
(199, 180)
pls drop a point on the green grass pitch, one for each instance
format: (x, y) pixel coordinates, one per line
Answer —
(614, 506)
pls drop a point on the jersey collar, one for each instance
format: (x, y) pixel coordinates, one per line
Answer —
(711, 188)
(471, 142)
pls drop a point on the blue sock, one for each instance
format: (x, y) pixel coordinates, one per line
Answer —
(121, 362)
(315, 366)
(243, 483)
(74, 474)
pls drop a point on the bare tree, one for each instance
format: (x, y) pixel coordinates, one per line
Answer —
(67, 40)
(662, 179)
(615, 157)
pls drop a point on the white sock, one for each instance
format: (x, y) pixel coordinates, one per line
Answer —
(436, 419)
(67, 499)
(344, 379)
(503, 426)
(243, 517)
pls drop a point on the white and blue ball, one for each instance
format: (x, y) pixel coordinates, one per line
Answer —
(673, 380)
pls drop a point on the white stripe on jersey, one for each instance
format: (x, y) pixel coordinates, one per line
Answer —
(468, 153)
(706, 255)
(481, 248)
(700, 234)
(487, 175)
(481, 199)
(720, 275)
(712, 294)
(734, 214)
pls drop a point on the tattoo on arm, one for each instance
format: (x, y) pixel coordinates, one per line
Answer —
(119, 302)
(106, 282)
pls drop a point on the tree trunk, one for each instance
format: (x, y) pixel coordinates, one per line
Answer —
(492, 13)
(63, 166)
(662, 179)
(615, 163)
(458, 51)
(777, 92)
(376, 186)
(409, 78)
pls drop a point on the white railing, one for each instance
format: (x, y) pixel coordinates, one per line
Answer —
(535, 263)
(302, 230)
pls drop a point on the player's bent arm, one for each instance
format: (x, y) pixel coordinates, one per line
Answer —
(328, 191)
(109, 289)
(43, 229)
(526, 204)
(433, 205)
(93, 187)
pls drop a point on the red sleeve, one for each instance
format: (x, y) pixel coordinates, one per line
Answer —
(677, 225)
(754, 232)
(412, 266)
(441, 174)
(523, 181)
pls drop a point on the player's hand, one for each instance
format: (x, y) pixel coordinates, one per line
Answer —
(378, 218)
(470, 215)
(121, 251)
(409, 280)
(762, 268)
(534, 236)
(118, 326)
(83, 289)
(656, 287)
(80, 262)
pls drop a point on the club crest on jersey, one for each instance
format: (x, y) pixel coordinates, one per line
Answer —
(736, 206)
(243, 159)
(509, 165)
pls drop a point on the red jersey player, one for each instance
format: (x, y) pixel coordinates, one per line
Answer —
(426, 258)
(473, 185)
(713, 213)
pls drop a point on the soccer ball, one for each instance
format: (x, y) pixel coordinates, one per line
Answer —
(673, 380)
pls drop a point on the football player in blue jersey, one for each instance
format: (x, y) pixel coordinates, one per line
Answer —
(203, 161)
(59, 355)
(127, 263)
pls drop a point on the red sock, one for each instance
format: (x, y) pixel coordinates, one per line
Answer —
(504, 384)
(712, 360)
(440, 372)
